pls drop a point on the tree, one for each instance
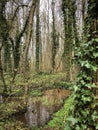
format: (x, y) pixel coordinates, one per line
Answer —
(4, 29)
(54, 36)
(68, 9)
(37, 37)
(84, 115)
(28, 35)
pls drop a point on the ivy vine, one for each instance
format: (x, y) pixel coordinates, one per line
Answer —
(83, 114)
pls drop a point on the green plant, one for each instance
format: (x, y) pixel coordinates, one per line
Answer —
(83, 115)
(35, 93)
(59, 117)
(12, 125)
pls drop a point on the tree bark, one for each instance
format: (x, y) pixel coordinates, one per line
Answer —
(37, 38)
(28, 35)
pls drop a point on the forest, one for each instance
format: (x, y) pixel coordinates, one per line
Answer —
(48, 64)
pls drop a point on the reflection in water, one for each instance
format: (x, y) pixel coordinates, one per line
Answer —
(1, 99)
(37, 114)
(39, 111)
(29, 114)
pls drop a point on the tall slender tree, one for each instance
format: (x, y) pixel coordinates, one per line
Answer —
(54, 36)
(28, 36)
(4, 32)
(68, 9)
(37, 37)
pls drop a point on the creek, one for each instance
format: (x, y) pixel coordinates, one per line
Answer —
(40, 109)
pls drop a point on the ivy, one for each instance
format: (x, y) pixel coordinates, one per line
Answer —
(83, 114)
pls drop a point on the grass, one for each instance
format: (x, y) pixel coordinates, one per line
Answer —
(59, 118)
(35, 84)
(37, 81)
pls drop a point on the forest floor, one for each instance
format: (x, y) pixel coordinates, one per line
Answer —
(35, 86)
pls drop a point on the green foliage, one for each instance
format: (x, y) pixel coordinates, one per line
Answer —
(35, 128)
(10, 107)
(47, 80)
(12, 125)
(83, 115)
(64, 84)
(40, 79)
(59, 118)
(35, 83)
(35, 93)
(68, 13)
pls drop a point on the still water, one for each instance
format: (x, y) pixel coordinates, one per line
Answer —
(41, 109)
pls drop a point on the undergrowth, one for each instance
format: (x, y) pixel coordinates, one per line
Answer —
(59, 118)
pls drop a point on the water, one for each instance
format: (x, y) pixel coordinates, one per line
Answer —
(40, 110)
(29, 116)
(1, 99)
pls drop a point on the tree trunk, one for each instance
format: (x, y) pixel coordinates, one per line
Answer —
(68, 31)
(28, 36)
(54, 37)
(37, 38)
(1, 73)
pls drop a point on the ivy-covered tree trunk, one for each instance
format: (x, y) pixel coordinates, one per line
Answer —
(68, 9)
(54, 37)
(5, 28)
(3, 38)
(37, 37)
(84, 115)
(2, 75)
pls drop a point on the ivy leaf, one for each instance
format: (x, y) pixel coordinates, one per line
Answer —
(94, 115)
(95, 54)
(67, 127)
(96, 39)
(94, 32)
(97, 126)
(93, 85)
(94, 68)
(87, 65)
(83, 63)
(86, 99)
(75, 88)
(72, 119)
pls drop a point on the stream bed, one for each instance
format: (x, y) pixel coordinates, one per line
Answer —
(40, 109)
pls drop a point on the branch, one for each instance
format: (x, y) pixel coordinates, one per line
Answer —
(1, 47)
(16, 10)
